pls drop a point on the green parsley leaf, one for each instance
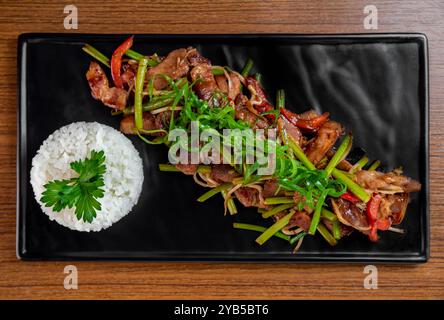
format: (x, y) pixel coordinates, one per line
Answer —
(82, 191)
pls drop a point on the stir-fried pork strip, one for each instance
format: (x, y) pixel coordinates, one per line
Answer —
(290, 130)
(150, 122)
(231, 88)
(175, 65)
(115, 98)
(195, 58)
(350, 214)
(188, 169)
(393, 207)
(205, 85)
(271, 189)
(386, 182)
(242, 113)
(249, 197)
(223, 173)
(324, 141)
(299, 220)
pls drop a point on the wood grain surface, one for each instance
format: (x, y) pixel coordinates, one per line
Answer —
(106, 280)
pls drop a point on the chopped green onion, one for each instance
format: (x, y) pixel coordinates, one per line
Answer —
(214, 191)
(340, 154)
(217, 71)
(327, 214)
(96, 54)
(278, 225)
(230, 203)
(246, 70)
(276, 210)
(157, 140)
(252, 227)
(278, 200)
(359, 165)
(138, 113)
(336, 230)
(168, 167)
(280, 99)
(317, 213)
(258, 77)
(326, 234)
(137, 56)
(356, 189)
(134, 55)
(297, 237)
(299, 153)
(374, 165)
(172, 168)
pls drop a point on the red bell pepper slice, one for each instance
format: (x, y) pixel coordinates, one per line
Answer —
(307, 124)
(373, 208)
(116, 61)
(372, 217)
(383, 224)
(373, 235)
(350, 197)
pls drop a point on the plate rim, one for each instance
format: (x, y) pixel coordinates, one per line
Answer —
(21, 152)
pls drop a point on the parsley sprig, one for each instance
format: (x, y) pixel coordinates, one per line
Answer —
(82, 191)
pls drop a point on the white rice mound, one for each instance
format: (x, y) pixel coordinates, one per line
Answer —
(123, 178)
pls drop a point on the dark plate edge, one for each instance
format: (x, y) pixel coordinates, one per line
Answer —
(424, 255)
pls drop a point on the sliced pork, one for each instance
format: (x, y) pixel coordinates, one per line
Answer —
(175, 65)
(324, 141)
(115, 98)
(386, 182)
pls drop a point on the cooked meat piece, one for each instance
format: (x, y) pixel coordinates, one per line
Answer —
(242, 113)
(324, 141)
(150, 122)
(205, 83)
(195, 58)
(98, 82)
(128, 125)
(298, 198)
(270, 188)
(350, 215)
(393, 207)
(223, 173)
(188, 169)
(129, 74)
(290, 130)
(308, 115)
(299, 220)
(249, 197)
(386, 182)
(175, 65)
(231, 91)
(345, 230)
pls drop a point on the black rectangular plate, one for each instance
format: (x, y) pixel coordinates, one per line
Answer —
(376, 85)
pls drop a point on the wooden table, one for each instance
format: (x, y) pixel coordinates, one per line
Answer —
(103, 280)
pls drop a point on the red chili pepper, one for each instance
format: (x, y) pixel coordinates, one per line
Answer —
(383, 224)
(307, 124)
(373, 208)
(372, 216)
(350, 197)
(116, 61)
(373, 235)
